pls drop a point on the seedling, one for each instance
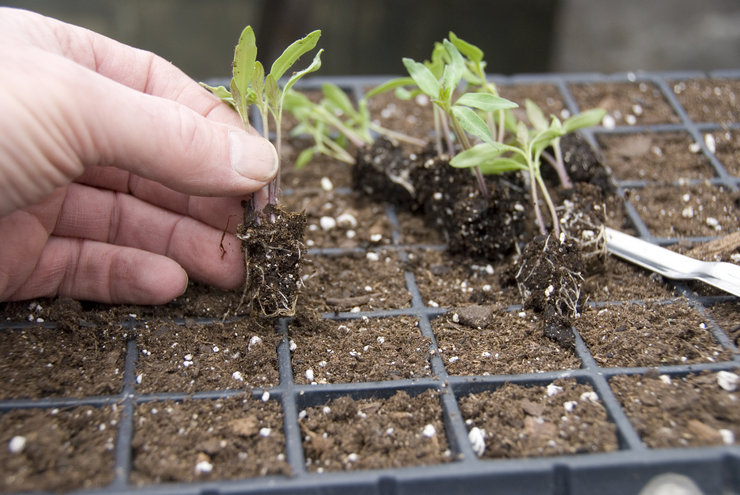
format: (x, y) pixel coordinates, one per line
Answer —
(335, 121)
(493, 157)
(459, 111)
(271, 237)
(250, 86)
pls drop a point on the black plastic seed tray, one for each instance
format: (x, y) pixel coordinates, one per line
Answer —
(627, 470)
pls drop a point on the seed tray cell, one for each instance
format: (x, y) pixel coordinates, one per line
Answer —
(625, 467)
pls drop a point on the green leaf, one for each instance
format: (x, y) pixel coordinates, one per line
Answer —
(291, 54)
(315, 65)
(584, 119)
(485, 101)
(543, 139)
(501, 165)
(272, 90)
(220, 92)
(245, 55)
(453, 71)
(338, 97)
(535, 115)
(469, 50)
(423, 77)
(258, 78)
(472, 123)
(483, 154)
(305, 157)
(398, 82)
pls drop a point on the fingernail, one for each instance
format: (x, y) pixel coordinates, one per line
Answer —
(252, 157)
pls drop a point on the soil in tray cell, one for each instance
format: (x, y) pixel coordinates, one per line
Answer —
(359, 281)
(622, 281)
(701, 210)
(341, 220)
(626, 103)
(448, 280)
(546, 96)
(315, 174)
(727, 316)
(727, 149)
(486, 341)
(196, 357)
(361, 350)
(57, 449)
(61, 362)
(413, 117)
(561, 418)
(655, 157)
(681, 411)
(710, 100)
(635, 335)
(374, 433)
(196, 440)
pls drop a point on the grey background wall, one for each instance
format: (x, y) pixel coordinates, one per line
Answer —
(370, 36)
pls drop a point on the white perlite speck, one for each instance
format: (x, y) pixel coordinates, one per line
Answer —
(203, 467)
(237, 376)
(309, 375)
(255, 340)
(608, 122)
(728, 436)
(327, 223)
(477, 439)
(429, 431)
(590, 396)
(372, 256)
(17, 444)
(553, 389)
(265, 432)
(570, 405)
(710, 142)
(727, 380)
(326, 184)
(265, 396)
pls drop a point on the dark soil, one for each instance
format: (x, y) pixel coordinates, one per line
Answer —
(727, 150)
(627, 103)
(495, 342)
(727, 316)
(354, 282)
(61, 362)
(699, 210)
(204, 439)
(196, 357)
(272, 242)
(358, 350)
(656, 157)
(564, 417)
(63, 449)
(374, 433)
(714, 100)
(648, 335)
(676, 411)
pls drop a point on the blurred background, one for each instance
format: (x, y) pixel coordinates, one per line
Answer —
(371, 36)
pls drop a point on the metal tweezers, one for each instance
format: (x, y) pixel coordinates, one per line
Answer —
(725, 276)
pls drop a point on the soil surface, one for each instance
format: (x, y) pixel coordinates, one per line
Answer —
(219, 439)
(676, 411)
(489, 341)
(656, 157)
(564, 417)
(61, 362)
(374, 433)
(362, 350)
(650, 335)
(196, 357)
(700, 210)
(714, 100)
(627, 103)
(57, 449)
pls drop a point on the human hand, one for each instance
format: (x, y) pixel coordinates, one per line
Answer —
(118, 173)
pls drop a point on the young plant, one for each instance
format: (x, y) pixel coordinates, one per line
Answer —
(335, 121)
(250, 86)
(460, 111)
(493, 157)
